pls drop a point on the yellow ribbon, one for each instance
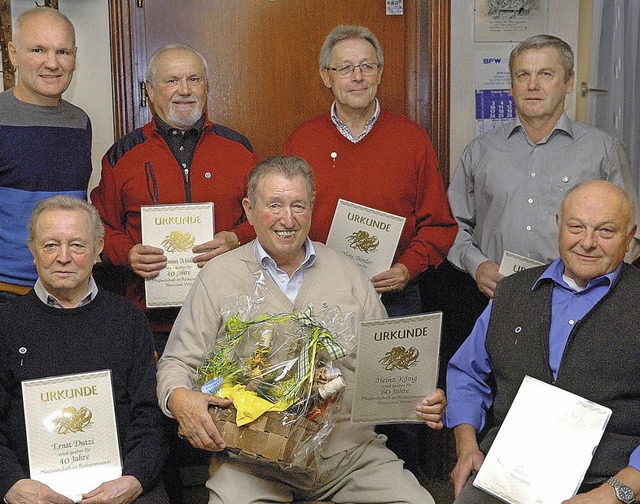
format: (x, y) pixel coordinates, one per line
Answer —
(248, 405)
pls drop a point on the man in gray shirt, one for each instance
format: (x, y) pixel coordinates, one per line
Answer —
(509, 183)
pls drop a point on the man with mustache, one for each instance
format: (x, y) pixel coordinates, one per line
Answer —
(178, 157)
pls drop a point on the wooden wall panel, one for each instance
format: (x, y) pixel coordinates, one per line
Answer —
(263, 57)
(263, 60)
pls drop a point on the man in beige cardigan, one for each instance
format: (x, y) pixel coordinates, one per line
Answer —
(353, 464)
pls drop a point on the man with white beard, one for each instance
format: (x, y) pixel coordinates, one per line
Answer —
(178, 157)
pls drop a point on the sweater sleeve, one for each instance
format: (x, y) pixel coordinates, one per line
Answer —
(106, 198)
(144, 449)
(10, 468)
(435, 226)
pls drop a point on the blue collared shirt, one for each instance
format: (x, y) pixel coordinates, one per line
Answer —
(290, 285)
(468, 393)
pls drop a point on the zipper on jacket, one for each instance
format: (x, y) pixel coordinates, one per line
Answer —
(152, 183)
(187, 185)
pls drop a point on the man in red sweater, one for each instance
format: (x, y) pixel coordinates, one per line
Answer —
(179, 157)
(381, 160)
(372, 157)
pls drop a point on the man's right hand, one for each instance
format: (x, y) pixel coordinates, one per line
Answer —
(190, 408)
(28, 491)
(470, 458)
(487, 277)
(147, 261)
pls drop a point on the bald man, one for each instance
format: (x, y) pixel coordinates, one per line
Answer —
(577, 331)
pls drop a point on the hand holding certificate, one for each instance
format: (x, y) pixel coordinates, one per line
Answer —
(176, 229)
(367, 236)
(542, 461)
(71, 432)
(396, 367)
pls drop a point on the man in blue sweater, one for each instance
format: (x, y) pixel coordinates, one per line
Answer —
(67, 325)
(45, 142)
(572, 324)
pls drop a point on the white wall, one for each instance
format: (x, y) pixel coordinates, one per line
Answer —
(563, 23)
(91, 87)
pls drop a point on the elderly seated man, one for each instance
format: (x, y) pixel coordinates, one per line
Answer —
(353, 464)
(577, 329)
(67, 325)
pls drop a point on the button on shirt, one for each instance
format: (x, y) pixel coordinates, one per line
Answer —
(290, 285)
(181, 143)
(468, 393)
(506, 190)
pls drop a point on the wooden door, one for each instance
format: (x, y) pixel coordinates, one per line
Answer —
(263, 58)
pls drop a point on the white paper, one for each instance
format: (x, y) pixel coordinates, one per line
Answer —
(396, 367)
(176, 229)
(544, 446)
(367, 236)
(513, 263)
(72, 437)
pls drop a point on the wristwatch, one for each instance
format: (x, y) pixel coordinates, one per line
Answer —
(623, 492)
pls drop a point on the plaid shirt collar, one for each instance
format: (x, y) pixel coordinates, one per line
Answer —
(344, 129)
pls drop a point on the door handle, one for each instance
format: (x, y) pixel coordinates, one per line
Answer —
(584, 89)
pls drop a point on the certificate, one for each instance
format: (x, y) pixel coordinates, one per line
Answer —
(365, 235)
(542, 458)
(396, 367)
(513, 263)
(72, 439)
(176, 229)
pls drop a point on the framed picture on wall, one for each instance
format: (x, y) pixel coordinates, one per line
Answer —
(509, 20)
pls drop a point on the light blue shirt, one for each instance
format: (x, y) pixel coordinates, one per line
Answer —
(290, 285)
(468, 393)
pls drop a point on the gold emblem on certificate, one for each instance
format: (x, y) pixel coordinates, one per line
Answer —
(513, 263)
(396, 367)
(72, 437)
(365, 235)
(176, 229)
(534, 462)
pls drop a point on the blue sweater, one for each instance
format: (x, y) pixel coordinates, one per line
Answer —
(44, 151)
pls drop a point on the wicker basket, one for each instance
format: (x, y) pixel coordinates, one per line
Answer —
(266, 437)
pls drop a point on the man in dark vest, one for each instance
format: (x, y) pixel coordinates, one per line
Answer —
(577, 329)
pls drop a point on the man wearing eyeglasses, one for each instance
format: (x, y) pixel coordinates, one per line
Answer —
(367, 155)
(372, 157)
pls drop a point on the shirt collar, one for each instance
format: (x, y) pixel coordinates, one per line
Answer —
(563, 124)
(344, 129)
(264, 258)
(51, 300)
(555, 273)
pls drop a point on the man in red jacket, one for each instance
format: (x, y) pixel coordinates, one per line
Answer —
(179, 157)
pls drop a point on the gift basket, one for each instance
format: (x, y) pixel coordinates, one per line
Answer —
(280, 372)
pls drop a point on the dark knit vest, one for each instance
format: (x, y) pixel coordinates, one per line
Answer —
(601, 361)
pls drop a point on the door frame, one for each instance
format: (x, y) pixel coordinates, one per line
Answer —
(427, 69)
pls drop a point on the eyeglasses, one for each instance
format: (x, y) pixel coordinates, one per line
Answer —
(347, 70)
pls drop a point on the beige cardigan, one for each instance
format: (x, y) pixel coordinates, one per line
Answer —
(332, 280)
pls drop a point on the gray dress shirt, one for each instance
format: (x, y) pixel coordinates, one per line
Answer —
(506, 190)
